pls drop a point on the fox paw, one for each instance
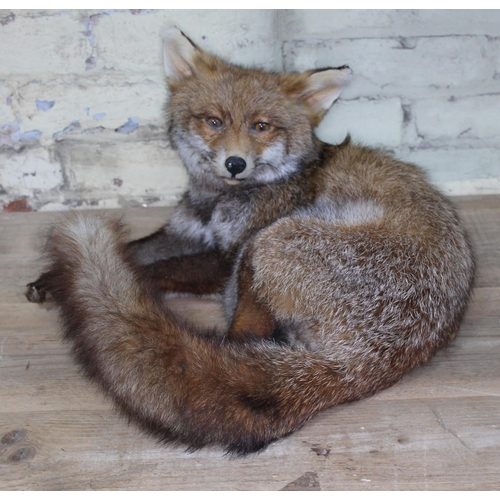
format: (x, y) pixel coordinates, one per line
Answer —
(38, 290)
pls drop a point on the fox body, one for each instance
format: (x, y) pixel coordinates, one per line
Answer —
(340, 267)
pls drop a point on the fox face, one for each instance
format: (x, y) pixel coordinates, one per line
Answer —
(234, 125)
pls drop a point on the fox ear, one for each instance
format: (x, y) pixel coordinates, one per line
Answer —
(178, 54)
(323, 88)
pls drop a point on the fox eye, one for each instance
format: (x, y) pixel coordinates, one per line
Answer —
(261, 127)
(213, 122)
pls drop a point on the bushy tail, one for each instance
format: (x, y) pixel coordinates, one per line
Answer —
(178, 383)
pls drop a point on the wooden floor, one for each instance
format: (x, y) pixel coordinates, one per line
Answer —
(439, 428)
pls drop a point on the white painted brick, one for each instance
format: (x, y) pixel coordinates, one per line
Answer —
(371, 122)
(106, 100)
(459, 120)
(247, 37)
(355, 23)
(50, 44)
(470, 187)
(494, 50)
(6, 113)
(122, 169)
(29, 172)
(129, 42)
(52, 206)
(9, 126)
(454, 165)
(413, 67)
(126, 42)
(304, 24)
(90, 62)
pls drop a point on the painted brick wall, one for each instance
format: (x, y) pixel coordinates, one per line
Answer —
(427, 86)
(82, 92)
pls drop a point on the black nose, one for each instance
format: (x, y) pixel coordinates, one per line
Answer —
(235, 165)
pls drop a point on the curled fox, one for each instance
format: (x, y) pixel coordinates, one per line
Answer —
(340, 268)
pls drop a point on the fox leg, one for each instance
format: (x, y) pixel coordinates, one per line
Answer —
(200, 274)
(38, 291)
(251, 318)
(184, 234)
(203, 273)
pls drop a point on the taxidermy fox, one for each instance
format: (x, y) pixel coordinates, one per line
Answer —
(340, 268)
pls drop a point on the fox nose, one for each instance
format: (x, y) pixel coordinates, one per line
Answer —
(235, 165)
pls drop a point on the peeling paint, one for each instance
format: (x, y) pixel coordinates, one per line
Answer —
(45, 105)
(130, 126)
(31, 135)
(72, 126)
(7, 19)
(91, 22)
(99, 116)
(88, 31)
(10, 135)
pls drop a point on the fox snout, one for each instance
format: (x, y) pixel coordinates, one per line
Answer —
(235, 165)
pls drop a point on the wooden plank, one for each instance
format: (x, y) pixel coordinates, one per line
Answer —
(438, 428)
(483, 226)
(489, 201)
(438, 444)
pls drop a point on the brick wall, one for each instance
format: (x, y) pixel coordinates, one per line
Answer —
(427, 86)
(82, 92)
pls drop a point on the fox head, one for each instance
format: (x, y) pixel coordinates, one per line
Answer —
(235, 125)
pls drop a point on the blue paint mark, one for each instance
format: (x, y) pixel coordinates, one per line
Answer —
(130, 126)
(12, 135)
(45, 105)
(32, 135)
(99, 116)
(69, 128)
(87, 111)
(11, 127)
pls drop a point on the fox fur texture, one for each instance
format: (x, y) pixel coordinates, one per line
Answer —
(340, 267)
